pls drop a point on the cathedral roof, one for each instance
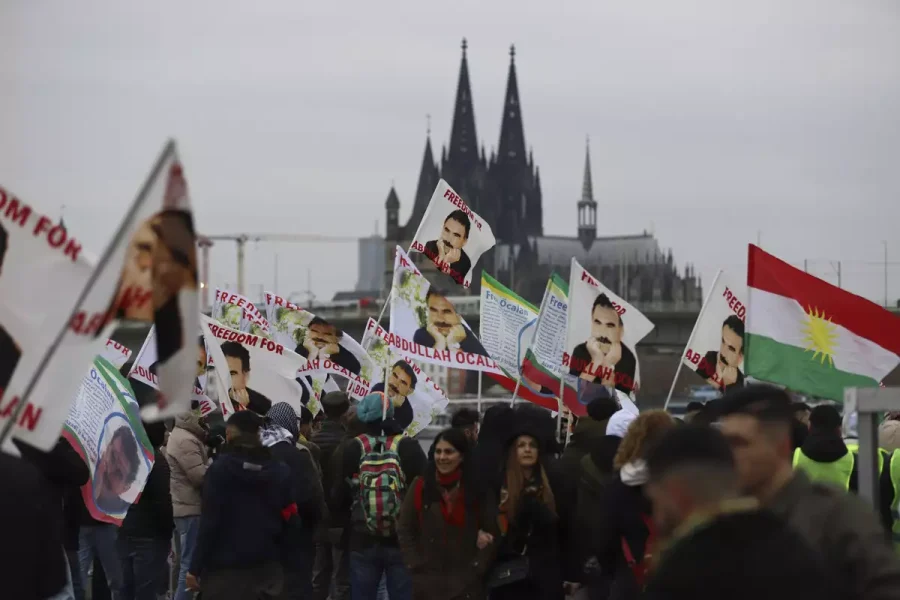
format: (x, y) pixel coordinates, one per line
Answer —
(632, 249)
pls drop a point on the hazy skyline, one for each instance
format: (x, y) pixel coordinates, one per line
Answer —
(709, 121)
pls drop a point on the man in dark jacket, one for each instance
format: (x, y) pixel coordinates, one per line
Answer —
(306, 492)
(715, 544)
(247, 510)
(588, 433)
(332, 564)
(146, 532)
(757, 423)
(373, 556)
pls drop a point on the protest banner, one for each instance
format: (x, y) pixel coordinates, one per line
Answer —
(715, 350)
(607, 354)
(542, 367)
(144, 367)
(426, 326)
(451, 235)
(117, 354)
(254, 371)
(104, 428)
(147, 274)
(417, 399)
(43, 269)
(507, 331)
(237, 312)
(327, 349)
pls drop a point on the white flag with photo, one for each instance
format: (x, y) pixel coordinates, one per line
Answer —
(417, 399)
(238, 312)
(602, 335)
(426, 325)
(715, 351)
(451, 235)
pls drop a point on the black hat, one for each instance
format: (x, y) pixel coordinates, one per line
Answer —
(763, 401)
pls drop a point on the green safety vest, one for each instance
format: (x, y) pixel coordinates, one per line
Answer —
(836, 473)
(854, 448)
(895, 507)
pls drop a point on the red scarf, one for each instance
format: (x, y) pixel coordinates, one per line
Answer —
(453, 501)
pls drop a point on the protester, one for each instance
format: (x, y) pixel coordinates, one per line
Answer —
(439, 524)
(488, 455)
(525, 525)
(757, 423)
(97, 539)
(718, 544)
(692, 410)
(298, 552)
(379, 468)
(331, 572)
(187, 456)
(589, 431)
(247, 512)
(624, 538)
(467, 421)
(889, 432)
(305, 421)
(146, 532)
(802, 413)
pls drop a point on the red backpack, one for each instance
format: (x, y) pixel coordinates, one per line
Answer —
(640, 568)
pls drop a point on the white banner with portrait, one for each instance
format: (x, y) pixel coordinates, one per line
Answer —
(426, 326)
(238, 312)
(451, 235)
(417, 399)
(602, 335)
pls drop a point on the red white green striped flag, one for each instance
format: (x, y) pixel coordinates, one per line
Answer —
(812, 337)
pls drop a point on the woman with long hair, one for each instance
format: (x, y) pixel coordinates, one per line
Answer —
(526, 528)
(622, 541)
(439, 525)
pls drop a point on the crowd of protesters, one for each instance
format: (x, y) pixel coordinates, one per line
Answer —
(748, 496)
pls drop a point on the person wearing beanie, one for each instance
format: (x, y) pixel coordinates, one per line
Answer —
(279, 435)
(589, 430)
(373, 555)
(711, 542)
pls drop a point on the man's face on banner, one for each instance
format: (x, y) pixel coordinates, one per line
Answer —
(606, 326)
(399, 385)
(137, 274)
(453, 234)
(113, 469)
(201, 360)
(239, 377)
(322, 334)
(731, 351)
(441, 314)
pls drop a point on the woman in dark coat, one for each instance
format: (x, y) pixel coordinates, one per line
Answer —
(439, 525)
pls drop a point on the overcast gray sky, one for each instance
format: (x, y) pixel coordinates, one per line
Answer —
(710, 120)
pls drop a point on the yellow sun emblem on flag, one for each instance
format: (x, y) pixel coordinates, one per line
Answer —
(820, 335)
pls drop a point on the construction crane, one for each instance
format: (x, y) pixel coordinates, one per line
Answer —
(240, 239)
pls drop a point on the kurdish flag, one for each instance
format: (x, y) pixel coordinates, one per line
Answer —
(811, 336)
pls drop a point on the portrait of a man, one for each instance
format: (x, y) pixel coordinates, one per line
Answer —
(244, 398)
(322, 341)
(401, 383)
(116, 471)
(444, 329)
(10, 353)
(447, 252)
(721, 368)
(603, 358)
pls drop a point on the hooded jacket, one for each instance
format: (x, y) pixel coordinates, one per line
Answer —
(247, 509)
(187, 457)
(151, 515)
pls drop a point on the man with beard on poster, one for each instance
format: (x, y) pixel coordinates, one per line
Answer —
(322, 341)
(444, 329)
(10, 353)
(722, 369)
(604, 354)
(116, 471)
(244, 398)
(401, 384)
(447, 252)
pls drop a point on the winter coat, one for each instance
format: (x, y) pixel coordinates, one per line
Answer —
(151, 515)
(847, 533)
(306, 492)
(246, 513)
(328, 439)
(443, 560)
(32, 562)
(588, 434)
(889, 435)
(187, 457)
(746, 555)
(619, 516)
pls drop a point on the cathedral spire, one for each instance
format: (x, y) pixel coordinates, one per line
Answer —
(512, 136)
(587, 207)
(463, 151)
(428, 180)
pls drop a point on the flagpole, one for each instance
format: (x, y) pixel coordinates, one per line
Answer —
(691, 338)
(562, 386)
(516, 391)
(479, 392)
